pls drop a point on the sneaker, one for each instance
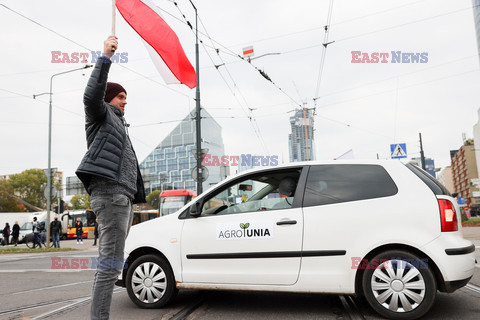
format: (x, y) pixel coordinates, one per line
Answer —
(81, 242)
(77, 242)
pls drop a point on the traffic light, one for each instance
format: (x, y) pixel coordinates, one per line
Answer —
(61, 206)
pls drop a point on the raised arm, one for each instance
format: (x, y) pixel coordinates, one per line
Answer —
(95, 107)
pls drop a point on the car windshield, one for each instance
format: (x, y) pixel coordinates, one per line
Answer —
(27, 226)
(169, 205)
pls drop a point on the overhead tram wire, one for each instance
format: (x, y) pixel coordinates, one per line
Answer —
(324, 52)
(251, 117)
(400, 75)
(404, 24)
(230, 52)
(414, 85)
(29, 97)
(349, 38)
(84, 47)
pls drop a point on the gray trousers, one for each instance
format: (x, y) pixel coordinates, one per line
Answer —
(114, 213)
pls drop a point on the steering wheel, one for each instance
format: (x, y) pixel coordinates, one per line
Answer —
(218, 209)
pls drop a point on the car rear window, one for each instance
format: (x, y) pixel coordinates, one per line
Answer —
(434, 185)
(328, 184)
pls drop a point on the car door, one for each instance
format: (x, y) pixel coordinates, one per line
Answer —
(247, 233)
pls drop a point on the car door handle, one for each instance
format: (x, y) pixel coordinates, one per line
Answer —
(283, 222)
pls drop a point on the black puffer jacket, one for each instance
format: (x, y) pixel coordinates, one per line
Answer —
(106, 135)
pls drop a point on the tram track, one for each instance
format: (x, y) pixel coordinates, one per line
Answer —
(71, 303)
(190, 308)
(473, 288)
(350, 308)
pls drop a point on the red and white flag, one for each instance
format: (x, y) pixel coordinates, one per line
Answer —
(162, 43)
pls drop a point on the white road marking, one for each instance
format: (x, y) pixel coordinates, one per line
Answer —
(44, 270)
(52, 287)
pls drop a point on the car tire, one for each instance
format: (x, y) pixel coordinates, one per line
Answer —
(150, 282)
(399, 285)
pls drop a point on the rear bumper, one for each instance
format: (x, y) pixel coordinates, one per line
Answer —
(454, 259)
(460, 251)
(451, 286)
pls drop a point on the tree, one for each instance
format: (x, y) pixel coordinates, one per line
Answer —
(7, 202)
(80, 201)
(29, 186)
(153, 198)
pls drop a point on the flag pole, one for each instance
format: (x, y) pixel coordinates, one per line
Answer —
(113, 19)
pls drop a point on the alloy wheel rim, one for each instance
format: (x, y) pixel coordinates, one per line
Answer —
(398, 285)
(149, 282)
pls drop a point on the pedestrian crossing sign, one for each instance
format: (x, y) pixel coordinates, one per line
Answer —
(398, 150)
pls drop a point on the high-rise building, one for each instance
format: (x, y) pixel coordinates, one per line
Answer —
(476, 137)
(476, 20)
(170, 164)
(445, 177)
(301, 140)
(465, 176)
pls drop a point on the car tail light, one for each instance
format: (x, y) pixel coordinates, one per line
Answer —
(448, 216)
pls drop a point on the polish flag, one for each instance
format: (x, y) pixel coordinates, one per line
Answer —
(161, 41)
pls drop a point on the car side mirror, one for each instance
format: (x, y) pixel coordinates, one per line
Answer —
(454, 195)
(195, 210)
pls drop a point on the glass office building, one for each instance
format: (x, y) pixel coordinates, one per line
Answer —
(171, 163)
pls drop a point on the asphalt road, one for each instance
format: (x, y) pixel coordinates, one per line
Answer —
(31, 289)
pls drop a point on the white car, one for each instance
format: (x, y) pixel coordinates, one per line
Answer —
(381, 229)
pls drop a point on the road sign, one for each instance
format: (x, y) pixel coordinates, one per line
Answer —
(204, 174)
(398, 151)
(52, 194)
(194, 152)
(52, 170)
(248, 52)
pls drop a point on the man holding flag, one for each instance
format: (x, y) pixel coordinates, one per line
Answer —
(111, 175)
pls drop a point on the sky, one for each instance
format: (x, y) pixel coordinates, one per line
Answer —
(364, 107)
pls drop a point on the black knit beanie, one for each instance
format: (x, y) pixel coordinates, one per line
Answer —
(113, 89)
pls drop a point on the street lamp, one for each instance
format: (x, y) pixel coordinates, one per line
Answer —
(49, 172)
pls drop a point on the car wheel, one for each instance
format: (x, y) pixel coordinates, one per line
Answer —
(150, 282)
(399, 285)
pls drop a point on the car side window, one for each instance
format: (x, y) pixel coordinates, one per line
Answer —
(329, 184)
(259, 192)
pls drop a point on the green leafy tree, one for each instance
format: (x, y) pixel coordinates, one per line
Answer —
(80, 201)
(7, 202)
(29, 186)
(153, 198)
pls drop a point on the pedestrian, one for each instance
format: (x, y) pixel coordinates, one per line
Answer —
(110, 174)
(6, 233)
(95, 232)
(15, 233)
(36, 232)
(79, 229)
(56, 230)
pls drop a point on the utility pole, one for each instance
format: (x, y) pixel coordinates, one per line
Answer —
(422, 155)
(198, 117)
